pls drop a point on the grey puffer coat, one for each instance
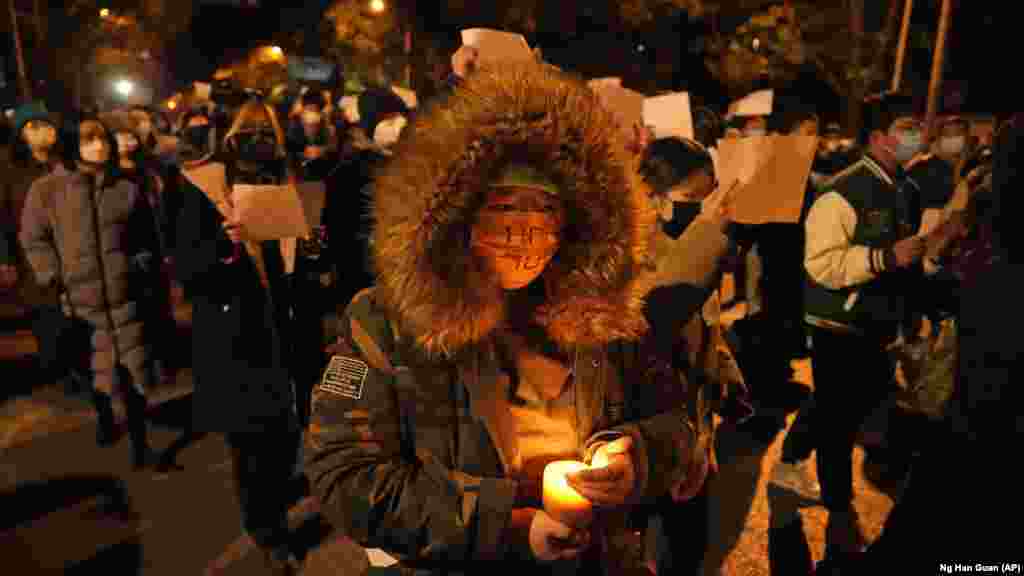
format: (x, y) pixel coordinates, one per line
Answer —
(98, 244)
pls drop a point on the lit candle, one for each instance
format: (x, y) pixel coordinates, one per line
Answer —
(561, 501)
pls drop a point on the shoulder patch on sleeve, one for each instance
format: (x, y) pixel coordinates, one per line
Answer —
(345, 377)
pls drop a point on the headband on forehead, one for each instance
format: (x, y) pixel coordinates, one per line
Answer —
(525, 176)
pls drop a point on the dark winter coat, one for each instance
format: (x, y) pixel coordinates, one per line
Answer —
(239, 368)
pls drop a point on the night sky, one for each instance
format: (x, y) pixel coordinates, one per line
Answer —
(222, 33)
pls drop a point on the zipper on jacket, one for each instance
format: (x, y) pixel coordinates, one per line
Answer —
(111, 328)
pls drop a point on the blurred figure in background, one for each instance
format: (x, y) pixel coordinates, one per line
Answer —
(383, 117)
(312, 140)
(131, 132)
(36, 151)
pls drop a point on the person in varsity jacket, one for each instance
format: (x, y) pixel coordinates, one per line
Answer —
(859, 257)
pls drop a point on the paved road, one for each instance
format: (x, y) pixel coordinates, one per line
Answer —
(186, 522)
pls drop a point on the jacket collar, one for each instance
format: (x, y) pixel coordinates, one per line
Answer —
(878, 169)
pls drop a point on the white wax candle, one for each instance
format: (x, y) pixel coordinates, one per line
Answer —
(561, 501)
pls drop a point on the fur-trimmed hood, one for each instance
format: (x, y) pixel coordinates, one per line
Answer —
(425, 200)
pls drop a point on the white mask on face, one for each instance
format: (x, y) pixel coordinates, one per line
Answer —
(350, 108)
(126, 143)
(94, 152)
(952, 145)
(40, 136)
(388, 131)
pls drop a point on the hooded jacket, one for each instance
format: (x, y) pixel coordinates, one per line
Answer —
(411, 447)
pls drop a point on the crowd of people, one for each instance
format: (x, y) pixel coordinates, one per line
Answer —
(522, 283)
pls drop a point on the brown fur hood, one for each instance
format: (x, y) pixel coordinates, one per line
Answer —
(426, 197)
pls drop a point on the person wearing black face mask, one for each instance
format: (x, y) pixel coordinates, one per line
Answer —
(681, 175)
(242, 350)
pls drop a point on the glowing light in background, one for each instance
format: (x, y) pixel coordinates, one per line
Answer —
(124, 87)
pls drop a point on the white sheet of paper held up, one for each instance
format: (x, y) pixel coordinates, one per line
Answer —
(379, 558)
(314, 198)
(670, 115)
(202, 91)
(212, 180)
(496, 45)
(270, 212)
(772, 172)
(755, 104)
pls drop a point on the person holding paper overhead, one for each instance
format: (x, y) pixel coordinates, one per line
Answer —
(507, 330)
(859, 260)
(241, 357)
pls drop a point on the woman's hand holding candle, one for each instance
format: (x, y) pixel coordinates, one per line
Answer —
(611, 479)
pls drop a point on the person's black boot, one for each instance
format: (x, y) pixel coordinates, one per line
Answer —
(106, 431)
(142, 455)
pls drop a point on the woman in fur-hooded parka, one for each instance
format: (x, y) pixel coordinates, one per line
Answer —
(426, 435)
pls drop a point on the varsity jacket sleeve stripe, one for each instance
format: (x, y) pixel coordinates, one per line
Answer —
(830, 258)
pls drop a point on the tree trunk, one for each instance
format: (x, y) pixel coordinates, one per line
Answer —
(892, 23)
(938, 62)
(26, 88)
(856, 89)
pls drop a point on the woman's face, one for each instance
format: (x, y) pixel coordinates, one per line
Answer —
(92, 143)
(39, 135)
(517, 232)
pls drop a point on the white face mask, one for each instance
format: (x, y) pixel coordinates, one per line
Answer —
(388, 131)
(126, 143)
(952, 145)
(310, 117)
(44, 136)
(350, 108)
(94, 152)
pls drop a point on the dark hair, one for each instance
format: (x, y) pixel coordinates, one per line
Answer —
(313, 98)
(789, 112)
(21, 154)
(880, 112)
(708, 127)
(376, 104)
(72, 141)
(667, 162)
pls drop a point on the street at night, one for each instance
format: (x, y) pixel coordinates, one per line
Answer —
(610, 288)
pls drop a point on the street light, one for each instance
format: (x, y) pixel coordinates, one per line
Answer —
(104, 13)
(377, 6)
(276, 51)
(124, 87)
